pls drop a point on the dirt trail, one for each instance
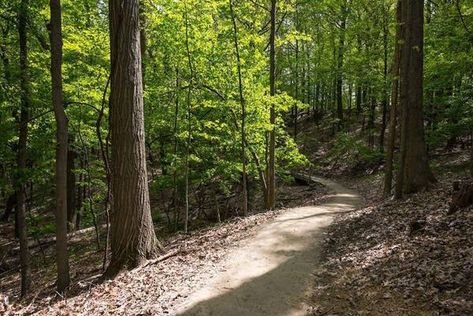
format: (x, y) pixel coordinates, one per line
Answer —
(270, 274)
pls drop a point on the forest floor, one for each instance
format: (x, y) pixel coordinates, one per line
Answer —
(156, 289)
(270, 273)
(407, 257)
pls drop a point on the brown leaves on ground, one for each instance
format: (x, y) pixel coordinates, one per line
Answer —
(156, 288)
(409, 257)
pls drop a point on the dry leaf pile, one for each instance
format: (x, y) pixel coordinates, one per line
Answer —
(409, 257)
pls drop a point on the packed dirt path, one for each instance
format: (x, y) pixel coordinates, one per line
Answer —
(271, 273)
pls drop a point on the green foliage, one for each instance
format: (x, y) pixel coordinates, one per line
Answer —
(351, 151)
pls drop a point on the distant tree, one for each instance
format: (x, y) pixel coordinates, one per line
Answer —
(25, 103)
(271, 194)
(133, 239)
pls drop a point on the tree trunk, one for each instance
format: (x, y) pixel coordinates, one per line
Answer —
(133, 239)
(62, 259)
(296, 80)
(71, 189)
(271, 200)
(243, 113)
(189, 125)
(388, 173)
(21, 154)
(341, 51)
(385, 77)
(415, 173)
(9, 206)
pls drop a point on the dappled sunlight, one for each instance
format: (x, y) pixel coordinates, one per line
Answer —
(280, 258)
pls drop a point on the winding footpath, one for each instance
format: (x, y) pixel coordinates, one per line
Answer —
(270, 274)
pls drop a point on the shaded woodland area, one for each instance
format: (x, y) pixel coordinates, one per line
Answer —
(155, 134)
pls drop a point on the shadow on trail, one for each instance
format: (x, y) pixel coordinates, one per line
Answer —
(270, 274)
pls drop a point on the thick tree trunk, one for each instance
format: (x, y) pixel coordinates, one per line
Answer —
(62, 259)
(133, 239)
(243, 114)
(415, 173)
(393, 114)
(271, 200)
(22, 154)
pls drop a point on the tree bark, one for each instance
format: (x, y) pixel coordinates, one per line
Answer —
(22, 154)
(415, 173)
(133, 239)
(62, 259)
(243, 113)
(272, 120)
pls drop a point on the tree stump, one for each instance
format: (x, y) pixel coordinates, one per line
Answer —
(462, 195)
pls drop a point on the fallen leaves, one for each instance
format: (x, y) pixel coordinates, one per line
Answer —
(413, 252)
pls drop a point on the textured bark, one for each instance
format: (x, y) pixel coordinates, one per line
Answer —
(393, 114)
(21, 153)
(62, 259)
(133, 239)
(243, 114)
(271, 195)
(415, 173)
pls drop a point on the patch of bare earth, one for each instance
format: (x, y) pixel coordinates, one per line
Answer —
(408, 257)
(151, 290)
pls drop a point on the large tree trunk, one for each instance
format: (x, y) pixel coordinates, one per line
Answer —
(271, 195)
(415, 173)
(133, 239)
(21, 154)
(62, 259)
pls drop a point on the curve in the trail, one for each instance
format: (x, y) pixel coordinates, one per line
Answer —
(269, 274)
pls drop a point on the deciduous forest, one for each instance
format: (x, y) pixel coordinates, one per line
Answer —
(236, 157)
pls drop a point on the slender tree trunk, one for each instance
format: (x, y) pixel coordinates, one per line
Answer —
(415, 173)
(385, 77)
(393, 114)
(341, 51)
(358, 99)
(62, 259)
(22, 154)
(243, 113)
(71, 188)
(133, 239)
(272, 120)
(296, 79)
(176, 139)
(189, 125)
